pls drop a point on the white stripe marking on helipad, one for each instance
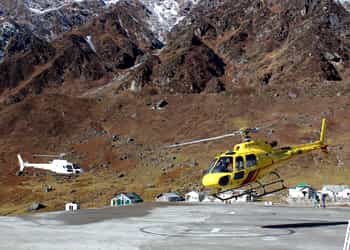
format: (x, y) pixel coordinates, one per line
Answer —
(216, 230)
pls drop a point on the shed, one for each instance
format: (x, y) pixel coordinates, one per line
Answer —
(194, 196)
(302, 191)
(169, 197)
(72, 206)
(123, 199)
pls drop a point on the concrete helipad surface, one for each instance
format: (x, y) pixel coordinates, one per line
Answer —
(154, 226)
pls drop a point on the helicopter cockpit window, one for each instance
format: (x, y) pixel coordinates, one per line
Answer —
(251, 160)
(211, 165)
(223, 165)
(76, 166)
(69, 168)
(239, 163)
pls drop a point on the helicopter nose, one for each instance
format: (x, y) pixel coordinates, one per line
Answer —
(209, 180)
(215, 180)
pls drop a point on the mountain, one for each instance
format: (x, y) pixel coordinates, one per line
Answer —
(48, 19)
(87, 77)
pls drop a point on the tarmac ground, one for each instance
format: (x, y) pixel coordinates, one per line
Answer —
(181, 226)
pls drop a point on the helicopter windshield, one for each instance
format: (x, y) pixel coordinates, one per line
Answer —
(211, 165)
(223, 165)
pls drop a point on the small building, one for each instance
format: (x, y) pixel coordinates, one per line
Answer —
(336, 192)
(72, 206)
(169, 197)
(302, 191)
(123, 199)
(194, 196)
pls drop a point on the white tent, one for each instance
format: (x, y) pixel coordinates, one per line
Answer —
(194, 196)
(344, 195)
(302, 191)
(336, 191)
(334, 188)
(72, 206)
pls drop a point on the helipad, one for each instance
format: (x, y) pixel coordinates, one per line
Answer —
(153, 226)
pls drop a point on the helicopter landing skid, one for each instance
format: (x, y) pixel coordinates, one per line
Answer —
(256, 190)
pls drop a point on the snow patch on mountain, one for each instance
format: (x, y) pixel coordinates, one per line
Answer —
(165, 14)
(88, 39)
(40, 7)
(109, 2)
(44, 11)
(162, 15)
(43, 6)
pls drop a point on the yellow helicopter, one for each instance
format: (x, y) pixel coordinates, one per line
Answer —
(249, 162)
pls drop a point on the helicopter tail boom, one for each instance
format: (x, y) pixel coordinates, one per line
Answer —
(320, 144)
(286, 153)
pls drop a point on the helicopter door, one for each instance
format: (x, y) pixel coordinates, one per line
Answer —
(251, 164)
(239, 168)
(239, 163)
(69, 169)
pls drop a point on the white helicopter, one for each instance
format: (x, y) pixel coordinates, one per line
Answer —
(58, 166)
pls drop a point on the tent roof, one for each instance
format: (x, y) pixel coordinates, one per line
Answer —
(303, 185)
(131, 195)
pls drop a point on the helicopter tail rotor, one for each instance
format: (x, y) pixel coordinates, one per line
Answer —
(324, 147)
(323, 131)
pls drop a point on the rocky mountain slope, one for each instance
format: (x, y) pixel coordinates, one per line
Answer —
(100, 72)
(49, 19)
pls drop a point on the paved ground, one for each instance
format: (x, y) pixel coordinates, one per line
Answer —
(153, 226)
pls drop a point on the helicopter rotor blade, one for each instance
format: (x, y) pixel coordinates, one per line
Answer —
(203, 140)
(267, 125)
(240, 132)
(50, 156)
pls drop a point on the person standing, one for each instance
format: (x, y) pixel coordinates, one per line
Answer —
(316, 201)
(324, 196)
